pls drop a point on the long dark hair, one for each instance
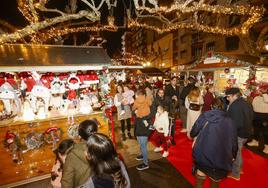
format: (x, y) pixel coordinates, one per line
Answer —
(64, 147)
(103, 159)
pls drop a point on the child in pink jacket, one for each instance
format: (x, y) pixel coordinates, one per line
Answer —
(61, 152)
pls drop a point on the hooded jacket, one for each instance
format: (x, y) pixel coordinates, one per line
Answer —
(216, 143)
(76, 168)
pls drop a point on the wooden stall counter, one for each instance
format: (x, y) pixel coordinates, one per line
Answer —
(37, 163)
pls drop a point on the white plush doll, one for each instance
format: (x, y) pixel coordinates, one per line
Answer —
(57, 86)
(39, 91)
(94, 101)
(28, 108)
(56, 101)
(8, 96)
(85, 104)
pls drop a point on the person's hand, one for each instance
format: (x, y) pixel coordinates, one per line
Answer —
(124, 102)
(174, 98)
(145, 123)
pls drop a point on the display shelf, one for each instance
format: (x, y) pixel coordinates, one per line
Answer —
(38, 162)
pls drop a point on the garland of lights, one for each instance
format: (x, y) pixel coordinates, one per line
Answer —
(254, 13)
(52, 33)
(132, 59)
(28, 9)
(35, 27)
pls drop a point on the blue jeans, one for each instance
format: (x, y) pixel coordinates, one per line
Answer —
(237, 164)
(143, 140)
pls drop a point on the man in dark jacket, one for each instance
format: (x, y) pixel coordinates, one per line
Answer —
(215, 146)
(172, 93)
(161, 99)
(76, 168)
(242, 115)
(185, 91)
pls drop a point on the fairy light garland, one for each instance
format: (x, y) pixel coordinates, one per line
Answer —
(35, 27)
(195, 26)
(217, 9)
(52, 33)
(254, 13)
(28, 9)
(131, 59)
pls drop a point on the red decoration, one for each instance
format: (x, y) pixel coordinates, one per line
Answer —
(72, 94)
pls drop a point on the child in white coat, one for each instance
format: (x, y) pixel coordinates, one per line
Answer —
(161, 125)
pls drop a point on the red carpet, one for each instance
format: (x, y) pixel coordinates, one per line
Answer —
(255, 167)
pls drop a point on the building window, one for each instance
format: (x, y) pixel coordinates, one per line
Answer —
(210, 46)
(232, 43)
(183, 38)
(234, 20)
(197, 37)
(175, 44)
(175, 58)
(196, 52)
(183, 54)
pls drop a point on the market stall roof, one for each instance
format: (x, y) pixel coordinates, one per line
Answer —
(20, 57)
(151, 71)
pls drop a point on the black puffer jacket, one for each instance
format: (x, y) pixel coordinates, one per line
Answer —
(140, 128)
(242, 115)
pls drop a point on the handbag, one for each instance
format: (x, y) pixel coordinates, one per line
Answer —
(194, 107)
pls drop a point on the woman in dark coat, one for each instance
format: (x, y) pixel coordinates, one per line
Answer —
(216, 145)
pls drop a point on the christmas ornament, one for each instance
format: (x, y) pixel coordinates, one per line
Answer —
(73, 131)
(13, 144)
(33, 141)
(52, 136)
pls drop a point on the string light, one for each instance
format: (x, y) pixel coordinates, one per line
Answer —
(195, 26)
(28, 9)
(129, 59)
(52, 33)
(254, 13)
(35, 27)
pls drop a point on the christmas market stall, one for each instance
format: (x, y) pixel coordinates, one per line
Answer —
(45, 92)
(223, 71)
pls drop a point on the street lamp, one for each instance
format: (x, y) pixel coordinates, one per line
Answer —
(148, 63)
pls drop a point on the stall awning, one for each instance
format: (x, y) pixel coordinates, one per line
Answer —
(19, 57)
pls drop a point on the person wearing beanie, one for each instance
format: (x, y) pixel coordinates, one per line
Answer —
(242, 115)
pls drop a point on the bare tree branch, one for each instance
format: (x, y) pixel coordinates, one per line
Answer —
(35, 27)
(44, 9)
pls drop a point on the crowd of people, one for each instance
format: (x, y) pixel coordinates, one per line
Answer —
(218, 125)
